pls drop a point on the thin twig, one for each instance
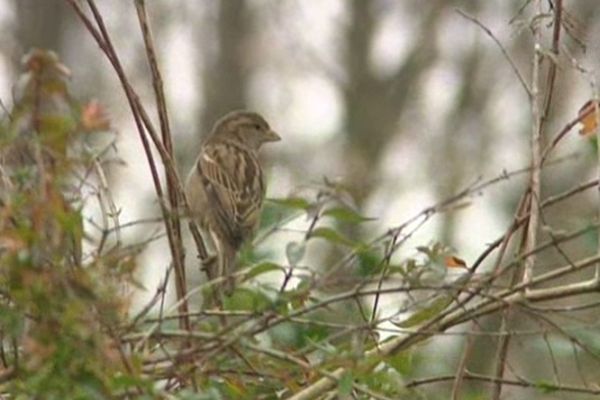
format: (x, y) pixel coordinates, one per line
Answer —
(461, 369)
(491, 379)
(174, 232)
(501, 358)
(145, 129)
(460, 315)
(501, 47)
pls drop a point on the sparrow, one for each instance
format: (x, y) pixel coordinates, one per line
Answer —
(225, 188)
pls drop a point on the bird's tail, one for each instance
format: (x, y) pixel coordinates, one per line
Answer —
(227, 255)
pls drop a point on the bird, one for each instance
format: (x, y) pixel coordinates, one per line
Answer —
(225, 188)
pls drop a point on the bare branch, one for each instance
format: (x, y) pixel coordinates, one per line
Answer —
(536, 161)
(509, 382)
(501, 47)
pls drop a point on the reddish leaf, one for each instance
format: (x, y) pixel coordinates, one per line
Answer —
(94, 118)
(588, 117)
(454, 262)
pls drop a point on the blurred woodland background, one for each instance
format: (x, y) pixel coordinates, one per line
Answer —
(386, 106)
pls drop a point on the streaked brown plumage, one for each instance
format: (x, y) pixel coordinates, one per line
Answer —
(225, 188)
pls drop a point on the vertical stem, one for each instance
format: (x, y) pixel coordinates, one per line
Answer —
(146, 131)
(551, 77)
(596, 103)
(536, 117)
(461, 370)
(501, 357)
(172, 222)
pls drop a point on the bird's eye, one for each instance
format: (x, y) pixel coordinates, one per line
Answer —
(257, 126)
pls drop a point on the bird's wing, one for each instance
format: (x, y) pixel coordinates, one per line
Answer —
(233, 182)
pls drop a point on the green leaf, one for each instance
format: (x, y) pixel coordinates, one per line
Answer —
(345, 384)
(387, 381)
(546, 387)
(292, 202)
(437, 306)
(294, 251)
(345, 214)
(315, 333)
(288, 335)
(332, 236)
(261, 268)
(244, 299)
(123, 382)
(369, 261)
(401, 362)
(297, 297)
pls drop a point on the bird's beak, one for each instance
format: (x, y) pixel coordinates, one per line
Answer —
(272, 136)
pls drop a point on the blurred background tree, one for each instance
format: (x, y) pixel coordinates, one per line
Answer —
(40, 24)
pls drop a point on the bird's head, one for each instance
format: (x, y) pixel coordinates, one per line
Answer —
(245, 127)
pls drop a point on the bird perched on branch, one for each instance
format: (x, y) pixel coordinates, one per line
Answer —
(225, 188)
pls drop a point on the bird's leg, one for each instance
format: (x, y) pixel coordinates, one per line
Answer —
(209, 264)
(217, 271)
